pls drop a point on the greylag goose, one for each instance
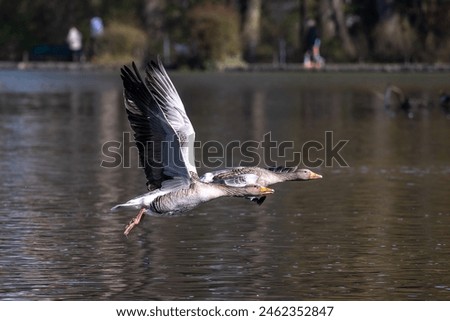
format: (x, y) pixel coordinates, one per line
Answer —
(265, 177)
(164, 137)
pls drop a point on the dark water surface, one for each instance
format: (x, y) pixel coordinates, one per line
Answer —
(377, 229)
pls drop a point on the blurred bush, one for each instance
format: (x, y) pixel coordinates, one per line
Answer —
(120, 43)
(395, 39)
(214, 36)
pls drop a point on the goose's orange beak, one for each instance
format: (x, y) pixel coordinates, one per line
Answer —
(314, 176)
(266, 190)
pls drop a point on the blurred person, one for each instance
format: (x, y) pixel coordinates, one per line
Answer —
(312, 57)
(97, 29)
(317, 58)
(74, 40)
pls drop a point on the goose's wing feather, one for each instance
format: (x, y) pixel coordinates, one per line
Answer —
(145, 117)
(282, 169)
(241, 180)
(229, 174)
(161, 152)
(230, 177)
(211, 177)
(175, 184)
(258, 200)
(167, 98)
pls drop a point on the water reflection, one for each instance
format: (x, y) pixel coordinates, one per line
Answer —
(374, 230)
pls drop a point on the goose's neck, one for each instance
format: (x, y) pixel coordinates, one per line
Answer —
(290, 176)
(282, 177)
(217, 190)
(233, 191)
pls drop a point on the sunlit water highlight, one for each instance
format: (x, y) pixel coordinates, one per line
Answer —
(376, 230)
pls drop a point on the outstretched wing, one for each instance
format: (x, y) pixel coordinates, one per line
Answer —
(162, 130)
(170, 103)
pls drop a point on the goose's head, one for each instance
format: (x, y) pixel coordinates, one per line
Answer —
(256, 190)
(306, 175)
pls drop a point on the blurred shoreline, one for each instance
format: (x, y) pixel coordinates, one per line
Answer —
(269, 67)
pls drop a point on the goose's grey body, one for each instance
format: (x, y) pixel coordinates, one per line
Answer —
(165, 137)
(264, 177)
(174, 200)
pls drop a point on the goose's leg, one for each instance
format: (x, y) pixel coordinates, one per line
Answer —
(135, 221)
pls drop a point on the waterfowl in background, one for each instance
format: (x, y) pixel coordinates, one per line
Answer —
(265, 177)
(395, 100)
(444, 102)
(165, 139)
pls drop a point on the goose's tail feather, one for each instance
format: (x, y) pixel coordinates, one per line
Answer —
(134, 203)
(257, 200)
(115, 208)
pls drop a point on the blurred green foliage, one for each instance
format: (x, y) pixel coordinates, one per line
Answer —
(214, 34)
(26, 23)
(208, 33)
(120, 43)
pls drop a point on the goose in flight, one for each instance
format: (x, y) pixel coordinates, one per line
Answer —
(264, 177)
(165, 137)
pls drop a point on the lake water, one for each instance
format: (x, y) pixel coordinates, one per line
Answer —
(377, 229)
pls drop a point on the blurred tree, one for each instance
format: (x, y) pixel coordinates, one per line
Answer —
(301, 25)
(251, 27)
(381, 30)
(28, 23)
(347, 42)
(395, 39)
(214, 34)
(154, 20)
(121, 43)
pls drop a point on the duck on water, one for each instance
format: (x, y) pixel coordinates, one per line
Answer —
(165, 138)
